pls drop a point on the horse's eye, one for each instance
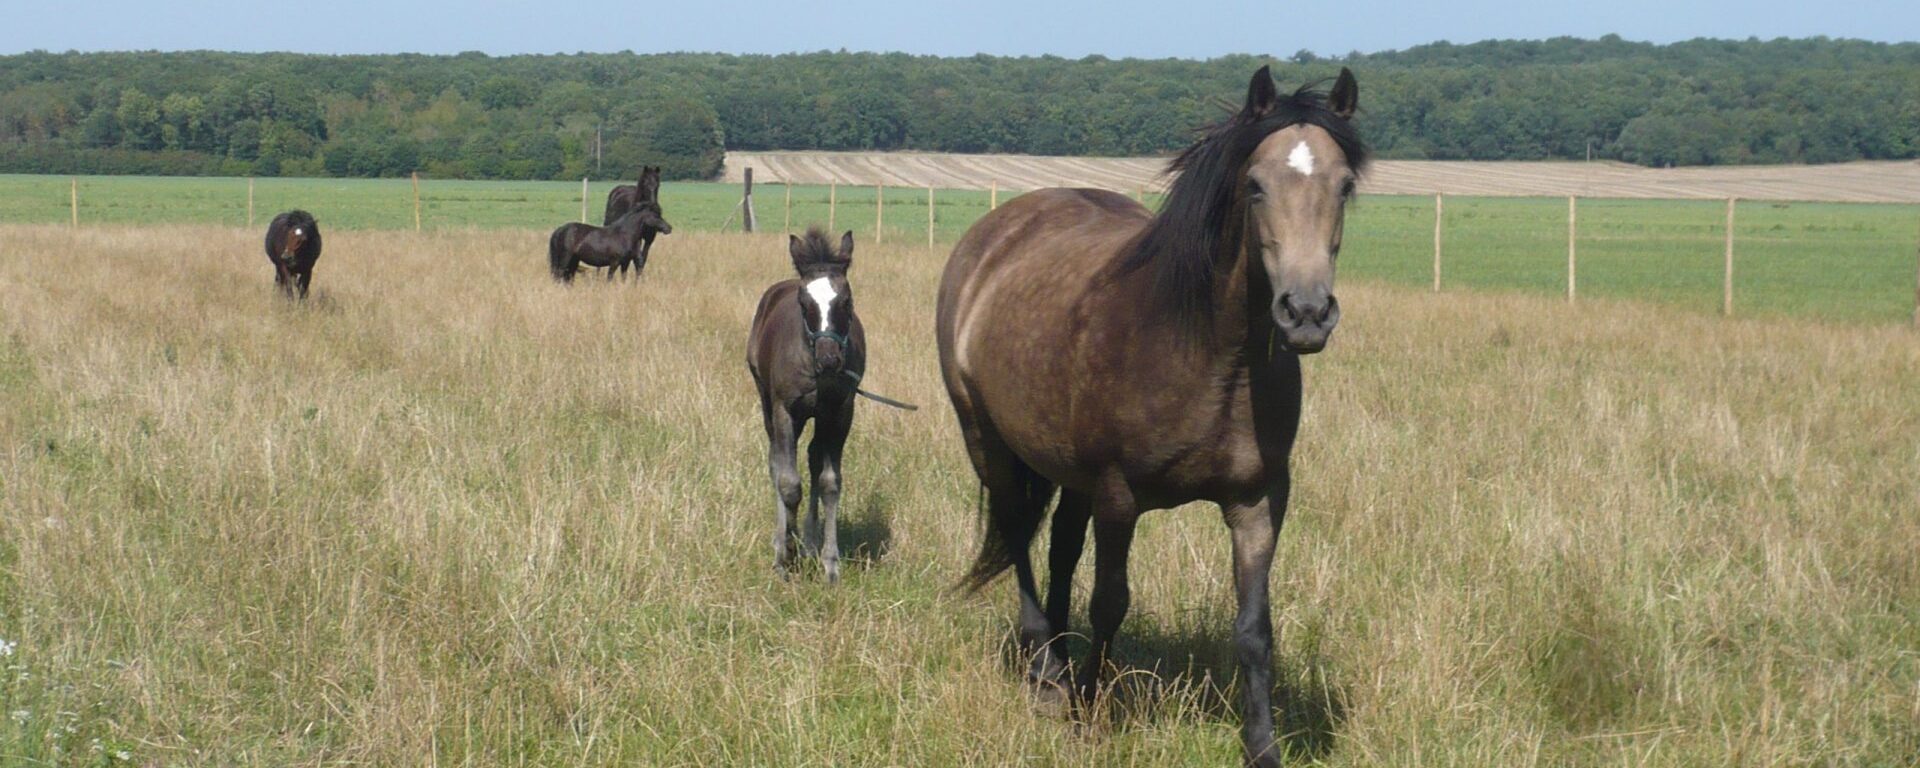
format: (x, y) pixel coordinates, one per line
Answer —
(1254, 191)
(1346, 189)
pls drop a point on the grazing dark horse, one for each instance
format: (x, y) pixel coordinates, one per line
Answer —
(293, 245)
(807, 352)
(574, 244)
(645, 194)
(1137, 361)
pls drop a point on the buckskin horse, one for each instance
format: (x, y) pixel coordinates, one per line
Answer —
(293, 245)
(574, 243)
(807, 351)
(644, 194)
(1137, 361)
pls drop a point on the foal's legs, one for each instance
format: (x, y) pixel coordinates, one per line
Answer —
(782, 444)
(823, 464)
(1255, 527)
(283, 279)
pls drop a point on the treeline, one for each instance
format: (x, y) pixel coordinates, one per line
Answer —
(565, 116)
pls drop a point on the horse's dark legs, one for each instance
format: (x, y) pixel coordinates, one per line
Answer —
(303, 279)
(283, 279)
(823, 465)
(1063, 556)
(1255, 528)
(782, 444)
(1114, 516)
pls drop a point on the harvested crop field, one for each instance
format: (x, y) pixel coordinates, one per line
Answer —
(1861, 182)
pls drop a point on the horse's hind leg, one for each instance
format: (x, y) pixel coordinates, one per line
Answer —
(782, 444)
(1068, 540)
(1114, 516)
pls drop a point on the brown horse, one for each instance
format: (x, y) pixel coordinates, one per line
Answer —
(293, 245)
(807, 352)
(1138, 361)
(644, 194)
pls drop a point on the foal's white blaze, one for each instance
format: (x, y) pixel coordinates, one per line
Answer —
(821, 290)
(297, 231)
(1301, 159)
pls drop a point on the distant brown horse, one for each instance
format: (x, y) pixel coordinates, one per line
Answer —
(573, 244)
(807, 352)
(644, 194)
(293, 245)
(1138, 361)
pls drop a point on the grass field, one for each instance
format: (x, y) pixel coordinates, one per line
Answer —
(450, 517)
(1840, 261)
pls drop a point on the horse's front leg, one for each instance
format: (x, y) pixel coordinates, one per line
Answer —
(1255, 527)
(283, 279)
(823, 462)
(782, 444)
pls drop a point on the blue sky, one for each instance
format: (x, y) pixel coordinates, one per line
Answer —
(1117, 29)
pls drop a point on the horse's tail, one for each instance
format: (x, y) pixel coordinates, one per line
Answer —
(557, 260)
(1010, 525)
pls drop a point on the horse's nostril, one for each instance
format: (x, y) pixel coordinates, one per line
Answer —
(1286, 308)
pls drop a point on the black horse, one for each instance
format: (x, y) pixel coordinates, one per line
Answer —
(622, 242)
(293, 245)
(643, 195)
(807, 352)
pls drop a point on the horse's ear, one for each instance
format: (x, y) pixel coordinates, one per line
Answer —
(1345, 96)
(846, 248)
(1261, 95)
(794, 248)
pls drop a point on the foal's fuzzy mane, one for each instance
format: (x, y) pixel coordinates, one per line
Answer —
(1193, 231)
(818, 254)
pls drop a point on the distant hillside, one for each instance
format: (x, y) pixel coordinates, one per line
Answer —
(1703, 102)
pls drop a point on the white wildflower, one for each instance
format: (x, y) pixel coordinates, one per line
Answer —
(20, 717)
(6, 647)
(122, 755)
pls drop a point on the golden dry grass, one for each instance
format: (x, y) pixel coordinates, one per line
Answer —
(451, 513)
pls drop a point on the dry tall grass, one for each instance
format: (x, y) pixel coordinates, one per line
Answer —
(451, 513)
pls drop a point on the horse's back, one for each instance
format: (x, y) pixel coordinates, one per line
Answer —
(619, 202)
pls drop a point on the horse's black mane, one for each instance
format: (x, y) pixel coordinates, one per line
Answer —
(817, 254)
(1194, 230)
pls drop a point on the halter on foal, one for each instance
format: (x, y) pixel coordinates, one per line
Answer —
(807, 352)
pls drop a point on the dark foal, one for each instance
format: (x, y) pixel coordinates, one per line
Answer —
(574, 244)
(645, 194)
(807, 352)
(1136, 361)
(293, 245)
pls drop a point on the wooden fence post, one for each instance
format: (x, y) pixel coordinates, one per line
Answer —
(788, 226)
(1726, 284)
(583, 200)
(416, 201)
(879, 211)
(1916, 286)
(746, 204)
(1573, 234)
(929, 216)
(832, 201)
(1437, 211)
(993, 194)
(74, 202)
(249, 202)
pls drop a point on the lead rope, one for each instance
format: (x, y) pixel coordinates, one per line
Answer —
(855, 377)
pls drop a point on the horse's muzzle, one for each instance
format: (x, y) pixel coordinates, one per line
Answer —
(1306, 320)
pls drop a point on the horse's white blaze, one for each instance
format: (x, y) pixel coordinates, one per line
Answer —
(1301, 159)
(822, 293)
(297, 231)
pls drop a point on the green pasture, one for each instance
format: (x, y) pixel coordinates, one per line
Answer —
(1848, 262)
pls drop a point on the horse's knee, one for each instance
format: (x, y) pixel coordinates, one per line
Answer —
(828, 481)
(787, 484)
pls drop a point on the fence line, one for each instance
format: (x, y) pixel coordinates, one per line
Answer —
(1573, 234)
(1437, 208)
(1726, 284)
